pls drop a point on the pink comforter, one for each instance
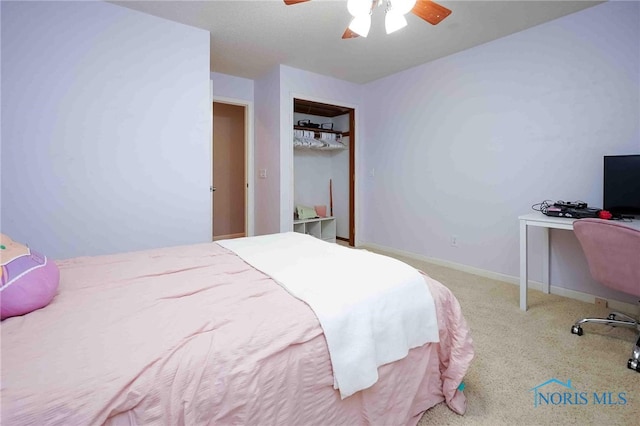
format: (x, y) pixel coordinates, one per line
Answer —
(193, 335)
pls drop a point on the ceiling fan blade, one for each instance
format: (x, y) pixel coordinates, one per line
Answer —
(290, 2)
(349, 34)
(430, 11)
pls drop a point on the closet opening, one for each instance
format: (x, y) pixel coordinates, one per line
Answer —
(324, 170)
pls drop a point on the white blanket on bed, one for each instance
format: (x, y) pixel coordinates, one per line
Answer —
(372, 308)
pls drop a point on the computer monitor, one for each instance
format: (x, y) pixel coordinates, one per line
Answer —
(621, 191)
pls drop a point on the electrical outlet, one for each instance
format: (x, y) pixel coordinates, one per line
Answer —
(454, 241)
(601, 302)
(262, 173)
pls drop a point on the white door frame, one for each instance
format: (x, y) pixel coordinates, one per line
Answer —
(248, 157)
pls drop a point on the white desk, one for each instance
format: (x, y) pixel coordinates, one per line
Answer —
(545, 222)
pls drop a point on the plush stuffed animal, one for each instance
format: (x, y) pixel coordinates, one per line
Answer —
(28, 280)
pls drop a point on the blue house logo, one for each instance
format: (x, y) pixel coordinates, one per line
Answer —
(546, 397)
(569, 395)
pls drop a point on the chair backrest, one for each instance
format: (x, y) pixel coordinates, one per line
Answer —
(613, 253)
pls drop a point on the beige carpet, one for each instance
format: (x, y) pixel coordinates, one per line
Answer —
(516, 351)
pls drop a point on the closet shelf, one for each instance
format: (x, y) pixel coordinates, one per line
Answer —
(318, 130)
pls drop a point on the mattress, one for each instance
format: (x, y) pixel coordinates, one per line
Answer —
(194, 335)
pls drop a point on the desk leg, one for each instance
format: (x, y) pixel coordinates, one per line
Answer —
(523, 265)
(545, 260)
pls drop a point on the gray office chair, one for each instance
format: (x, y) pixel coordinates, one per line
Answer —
(613, 255)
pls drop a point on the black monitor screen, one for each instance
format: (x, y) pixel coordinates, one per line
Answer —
(622, 184)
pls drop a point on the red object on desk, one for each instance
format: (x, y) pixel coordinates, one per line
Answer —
(604, 214)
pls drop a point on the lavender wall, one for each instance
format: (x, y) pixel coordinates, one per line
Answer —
(463, 145)
(105, 129)
(267, 153)
(230, 86)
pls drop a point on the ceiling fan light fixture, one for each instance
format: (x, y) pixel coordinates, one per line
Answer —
(361, 25)
(359, 7)
(393, 21)
(402, 6)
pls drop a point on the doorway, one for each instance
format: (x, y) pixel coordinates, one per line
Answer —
(229, 165)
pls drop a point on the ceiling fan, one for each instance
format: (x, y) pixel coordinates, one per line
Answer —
(361, 11)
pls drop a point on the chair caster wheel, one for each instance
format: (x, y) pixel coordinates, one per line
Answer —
(612, 317)
(576, 329)
(633, 364)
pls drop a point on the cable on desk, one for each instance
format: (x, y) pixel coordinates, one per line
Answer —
(543, 206)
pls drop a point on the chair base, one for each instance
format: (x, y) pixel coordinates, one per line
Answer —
(634, 362)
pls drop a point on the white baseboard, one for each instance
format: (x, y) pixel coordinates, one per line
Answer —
(533, 285)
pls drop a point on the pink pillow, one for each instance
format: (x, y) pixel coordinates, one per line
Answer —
(321, 211)
(28, 280)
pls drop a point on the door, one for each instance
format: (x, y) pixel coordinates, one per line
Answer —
(229, 159)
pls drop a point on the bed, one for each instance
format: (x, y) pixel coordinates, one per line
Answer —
(198, 335)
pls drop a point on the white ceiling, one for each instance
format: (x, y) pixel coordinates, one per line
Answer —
(249, 38)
